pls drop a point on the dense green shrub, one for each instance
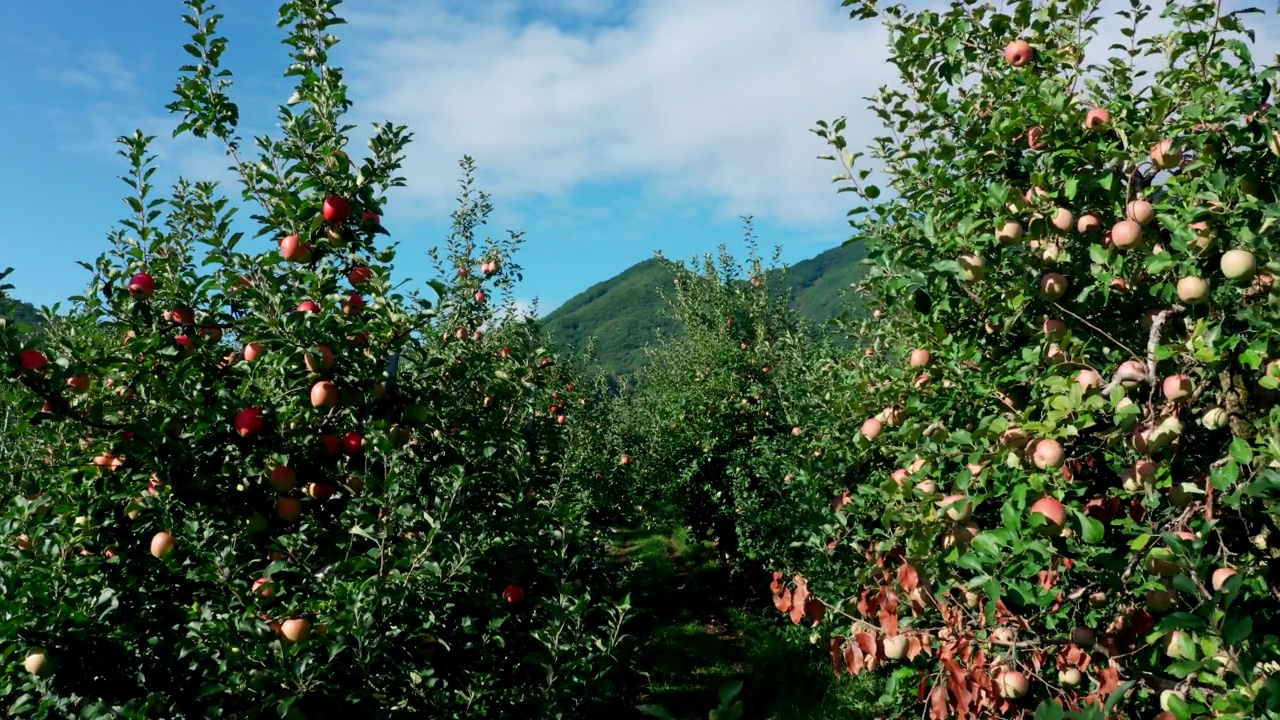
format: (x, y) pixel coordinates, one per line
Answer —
(1071, 499)
(253, 505)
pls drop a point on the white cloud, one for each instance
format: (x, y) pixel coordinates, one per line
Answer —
(712, 99)
(102, 72)
(708, 100)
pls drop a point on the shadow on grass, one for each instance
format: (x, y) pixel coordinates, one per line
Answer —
(699, 626)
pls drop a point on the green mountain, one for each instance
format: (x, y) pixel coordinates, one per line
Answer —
(624, 313)
(20, 313)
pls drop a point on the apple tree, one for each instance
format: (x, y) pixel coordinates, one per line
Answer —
(1069, 462)
(276, 482)
(716, 418)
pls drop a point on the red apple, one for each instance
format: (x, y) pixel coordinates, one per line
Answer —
(871, 428)
(1140, 211)
(329, 444)
(624, 460)
(1161, 601)
(920, 358)
(142, 286)
(318, 360)
(1062, 220)
(262, 587)
(321, 490)
(1220, 578)
(359, 275)
(293, 249)
(1126, 234)
(1052, 511)
(36, 661)
(308, 306)
(1177, 387)
(1007, 234)
(251, 422)
(336, 209)
(1088, 224)
(324, 394)
(370, 218)
(1096, 119)
(78, 384)
(1053, 286)
(185, 346)
(1192, 290)
(252, 351)
(353, 305)
(183, 316)
(513, 594)
(283, 478)
(1048, 454)
(353, 443)
(961, 508)
(479, 296)
(288, 509)
(1013, 684)
(1164, 155)
(1035, 138)
(1018, 53)
(32, 361)
(296, 630)
(161, 544)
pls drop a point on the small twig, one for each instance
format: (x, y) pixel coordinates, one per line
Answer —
(1097, 329)
(1153, 339)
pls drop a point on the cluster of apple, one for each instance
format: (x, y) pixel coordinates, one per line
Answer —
(1045, 228)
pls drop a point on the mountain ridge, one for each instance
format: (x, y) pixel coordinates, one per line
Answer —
(624, 313)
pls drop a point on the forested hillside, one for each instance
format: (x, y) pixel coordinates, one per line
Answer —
(625, 313)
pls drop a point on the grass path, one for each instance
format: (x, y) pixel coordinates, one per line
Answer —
(700, 628)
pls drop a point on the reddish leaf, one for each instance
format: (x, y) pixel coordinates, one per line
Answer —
(926, 643)
(870, 648)
(1110, 679)
(889, 612)
(938, 703)
(837, 656)
(1072, 656)
(776, 586)
(798, 600)
(816, 610)
(917, 602)
(842, 499)
(853, 658)
(888, 621)
(866, 603)
(783, 601)
(908, 577)
(913, 647)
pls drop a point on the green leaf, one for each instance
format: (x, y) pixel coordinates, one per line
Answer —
(1236, 630)
(1091, 530)
(1050, 710)
(1241, 451)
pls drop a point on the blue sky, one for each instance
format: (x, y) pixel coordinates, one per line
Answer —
(605, 129)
